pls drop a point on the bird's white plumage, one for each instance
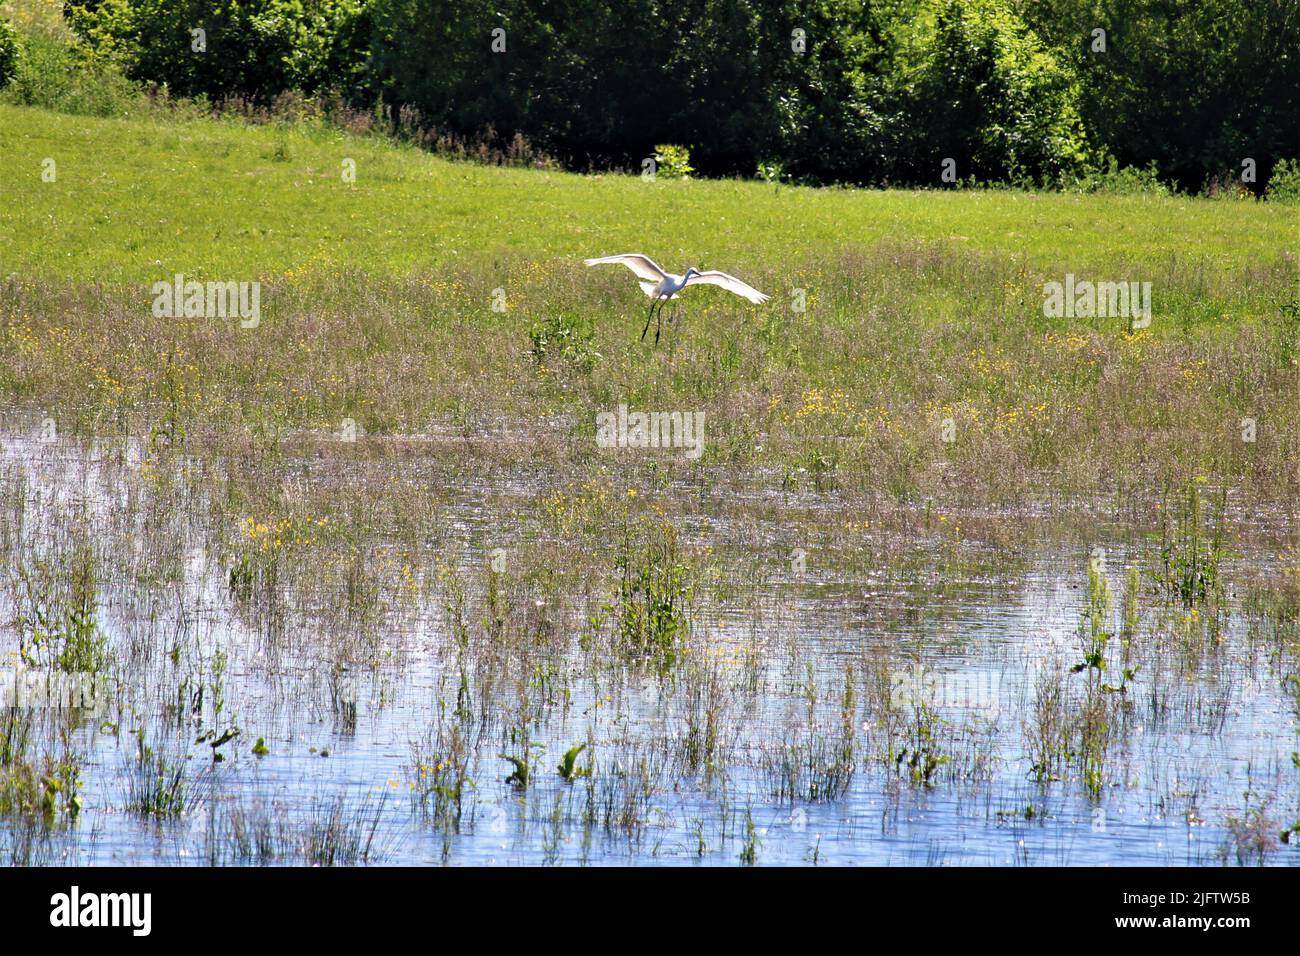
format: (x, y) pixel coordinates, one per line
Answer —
(649, 289)
(728, 282)
(656, 283)
(642, 265)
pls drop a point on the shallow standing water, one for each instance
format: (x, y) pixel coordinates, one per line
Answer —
(1199, 758)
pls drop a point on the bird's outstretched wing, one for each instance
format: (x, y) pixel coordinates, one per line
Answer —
(642, 265)
(728, 282)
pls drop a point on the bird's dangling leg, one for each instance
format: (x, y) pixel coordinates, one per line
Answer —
(660, 324)
(649, 316)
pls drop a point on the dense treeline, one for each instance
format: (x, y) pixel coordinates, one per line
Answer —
(881, 91)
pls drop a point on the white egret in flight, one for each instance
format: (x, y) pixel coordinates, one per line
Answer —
(662, 286)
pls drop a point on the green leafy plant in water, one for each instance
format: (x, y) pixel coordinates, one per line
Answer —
(1132, 592)
(159, 786)
(57, 616)
(45, 788)
(568, 765)
(1094, 626)
(1097, 711)
(923, 758)
(749, 852)
(816, 466)
(1190, 552)
(440, 772)
(652, 603)
(519, 776)
(216, 741)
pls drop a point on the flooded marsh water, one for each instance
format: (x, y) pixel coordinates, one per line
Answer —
(434, 658)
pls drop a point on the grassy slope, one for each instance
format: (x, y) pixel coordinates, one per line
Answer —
(136, 200)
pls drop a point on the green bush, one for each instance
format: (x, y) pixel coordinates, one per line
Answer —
(673, 162)
(53, 75)
(1115, 180)
(9, 53)
(592, 83)
(1284, 184)
(255, 48)
(1196, 85)
(975, 84)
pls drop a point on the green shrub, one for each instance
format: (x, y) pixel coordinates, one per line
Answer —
(9, 53)
(975, 84)
(1227, 185)
(1114, 180)
(257, 48)
(673, 162)
(771, 171)
(1195, 87)
(1284, 184)
(54, 75)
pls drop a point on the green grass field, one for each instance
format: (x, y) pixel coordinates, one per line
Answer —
(138, 198)
(923, 308)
